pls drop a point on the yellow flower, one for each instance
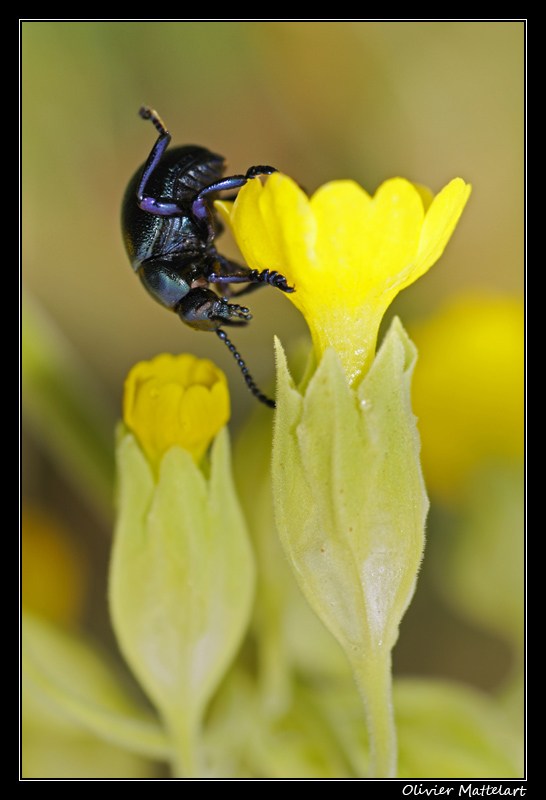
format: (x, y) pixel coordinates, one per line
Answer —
(347, 254)
(175, 400)
(53, 579)
(468, 388)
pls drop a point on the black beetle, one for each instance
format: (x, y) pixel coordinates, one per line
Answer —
(169, 229)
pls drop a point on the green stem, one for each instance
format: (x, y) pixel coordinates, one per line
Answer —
(374, 680)
(187, 760)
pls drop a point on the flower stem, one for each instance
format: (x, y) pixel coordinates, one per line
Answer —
(374, 680)
(186, 760)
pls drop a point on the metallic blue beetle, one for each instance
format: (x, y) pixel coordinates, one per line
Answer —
(169, 229)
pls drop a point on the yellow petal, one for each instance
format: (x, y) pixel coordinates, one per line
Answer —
(175, 400)
(346, 253)
(440, 222)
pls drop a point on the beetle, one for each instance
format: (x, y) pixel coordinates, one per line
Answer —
(169, 229)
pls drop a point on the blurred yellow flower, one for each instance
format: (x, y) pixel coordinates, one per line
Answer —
(347, 254)
(53, 575)
(175, 400)
(468, 388)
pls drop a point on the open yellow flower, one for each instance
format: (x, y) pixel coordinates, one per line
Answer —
(468, 389)
(347, 254)
(175, 400)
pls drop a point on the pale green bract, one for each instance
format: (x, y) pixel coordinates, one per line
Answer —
(350, 508)
(181, 584)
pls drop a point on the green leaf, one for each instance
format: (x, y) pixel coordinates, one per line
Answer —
(488, 540)
(65, 409)
(71, 676)
(246, 741)
(445, 731)
(449, 731)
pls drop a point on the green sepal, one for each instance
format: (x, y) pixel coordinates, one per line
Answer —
(350, 507)
(350, 502)
(181, 583)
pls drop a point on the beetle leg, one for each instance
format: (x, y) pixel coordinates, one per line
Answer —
(238, 274)
(273, 278)
(224, 272)
(234, 181)
(231, 272)
(199, 205)
(146, 202)
(253, 172)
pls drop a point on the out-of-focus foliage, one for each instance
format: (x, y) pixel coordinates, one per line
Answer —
(365, 100)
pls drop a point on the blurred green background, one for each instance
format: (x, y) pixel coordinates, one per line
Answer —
(366, 100)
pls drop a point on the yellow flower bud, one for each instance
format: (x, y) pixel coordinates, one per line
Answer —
(175, 400)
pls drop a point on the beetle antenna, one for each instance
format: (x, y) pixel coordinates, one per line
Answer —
(246, 375)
